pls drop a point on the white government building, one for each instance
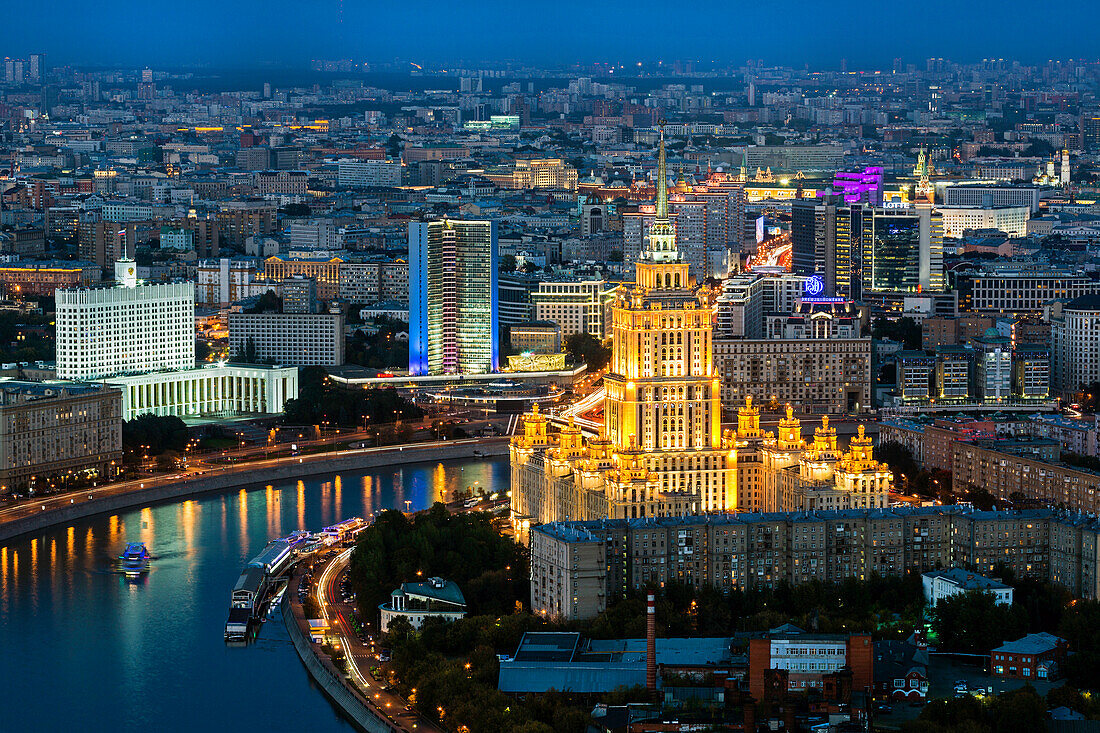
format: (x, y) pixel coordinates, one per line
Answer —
(141, 339)
(126, 329)
(1012, 220)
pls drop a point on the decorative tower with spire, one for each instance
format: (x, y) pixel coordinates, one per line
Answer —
(661, 267)
(661, 451)
(923, 171)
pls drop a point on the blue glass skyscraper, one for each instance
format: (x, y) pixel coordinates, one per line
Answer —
(453, 310)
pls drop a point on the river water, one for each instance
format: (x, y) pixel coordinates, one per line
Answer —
(83, 649)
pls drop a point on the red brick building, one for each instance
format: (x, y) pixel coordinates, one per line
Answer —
(1034, 657)
(808, 659)
(901, 671)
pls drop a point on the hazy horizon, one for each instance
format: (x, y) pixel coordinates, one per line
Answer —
(281, 34)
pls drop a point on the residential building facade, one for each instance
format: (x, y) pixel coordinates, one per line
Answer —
(290, 339)
(52, 433)
(763, 550)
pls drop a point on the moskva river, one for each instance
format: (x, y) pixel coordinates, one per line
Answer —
(84, 649)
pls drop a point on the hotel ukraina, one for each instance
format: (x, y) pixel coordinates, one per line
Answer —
(662, 451)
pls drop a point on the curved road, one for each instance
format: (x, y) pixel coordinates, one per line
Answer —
(361, 657)
(56, 501)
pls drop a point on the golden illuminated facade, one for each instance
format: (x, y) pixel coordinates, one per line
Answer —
(662, 452)
(542, 173)
(780, 472)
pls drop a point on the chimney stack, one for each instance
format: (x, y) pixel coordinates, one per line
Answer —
(651, 644)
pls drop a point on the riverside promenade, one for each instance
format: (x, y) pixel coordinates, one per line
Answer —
(33, 515)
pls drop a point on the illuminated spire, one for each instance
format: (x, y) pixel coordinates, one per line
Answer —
(661, 244)
(662, 177)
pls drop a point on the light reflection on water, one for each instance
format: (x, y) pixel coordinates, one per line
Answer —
(122, 656)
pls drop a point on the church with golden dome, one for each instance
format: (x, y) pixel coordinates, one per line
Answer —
(661, 450)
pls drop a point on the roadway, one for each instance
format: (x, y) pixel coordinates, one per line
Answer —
(361, 656)
(775, 252)
(37, 505)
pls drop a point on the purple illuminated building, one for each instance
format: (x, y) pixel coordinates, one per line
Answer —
(859, 187)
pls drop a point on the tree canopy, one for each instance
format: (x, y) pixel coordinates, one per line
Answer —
(975, 623)
(490, 569)
(320, 402)
(1021, 709)
(905, 330)
(584, 347)
(158, 433)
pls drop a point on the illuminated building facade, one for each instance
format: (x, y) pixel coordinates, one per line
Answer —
(599, 562)
(662, 452)
(708, 219)
(902, 250)
(76, 429)
(453, 309)
(547, 173)
(28, 279)
(126, 329)
(778, 471)
(325, 271)
(825, 240)
(575, 306)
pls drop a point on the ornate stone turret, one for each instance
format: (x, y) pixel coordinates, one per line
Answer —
(534, 431)
(860, 456)
(923, 172)
(790, 432)
(570, 441)
(748, 420)
(825, 438)
(859, 473)
(600, 448)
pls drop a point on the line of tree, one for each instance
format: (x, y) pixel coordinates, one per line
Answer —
(905, 330)
(1022, 709)
(268, 302)
(154, 434)
(381, 349)
(321, 402)
(888, 605)
(26, 337)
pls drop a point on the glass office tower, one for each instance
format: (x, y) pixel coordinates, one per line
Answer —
(453, 308)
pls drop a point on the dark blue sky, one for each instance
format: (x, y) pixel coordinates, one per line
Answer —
(277, 32)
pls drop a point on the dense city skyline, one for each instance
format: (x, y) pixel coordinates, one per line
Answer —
(866, 35)
(709, 364)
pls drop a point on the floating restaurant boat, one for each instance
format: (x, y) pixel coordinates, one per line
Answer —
(134, 560)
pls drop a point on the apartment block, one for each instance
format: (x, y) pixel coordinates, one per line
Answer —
(825, 376)
(764, 550)
(76, 429)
